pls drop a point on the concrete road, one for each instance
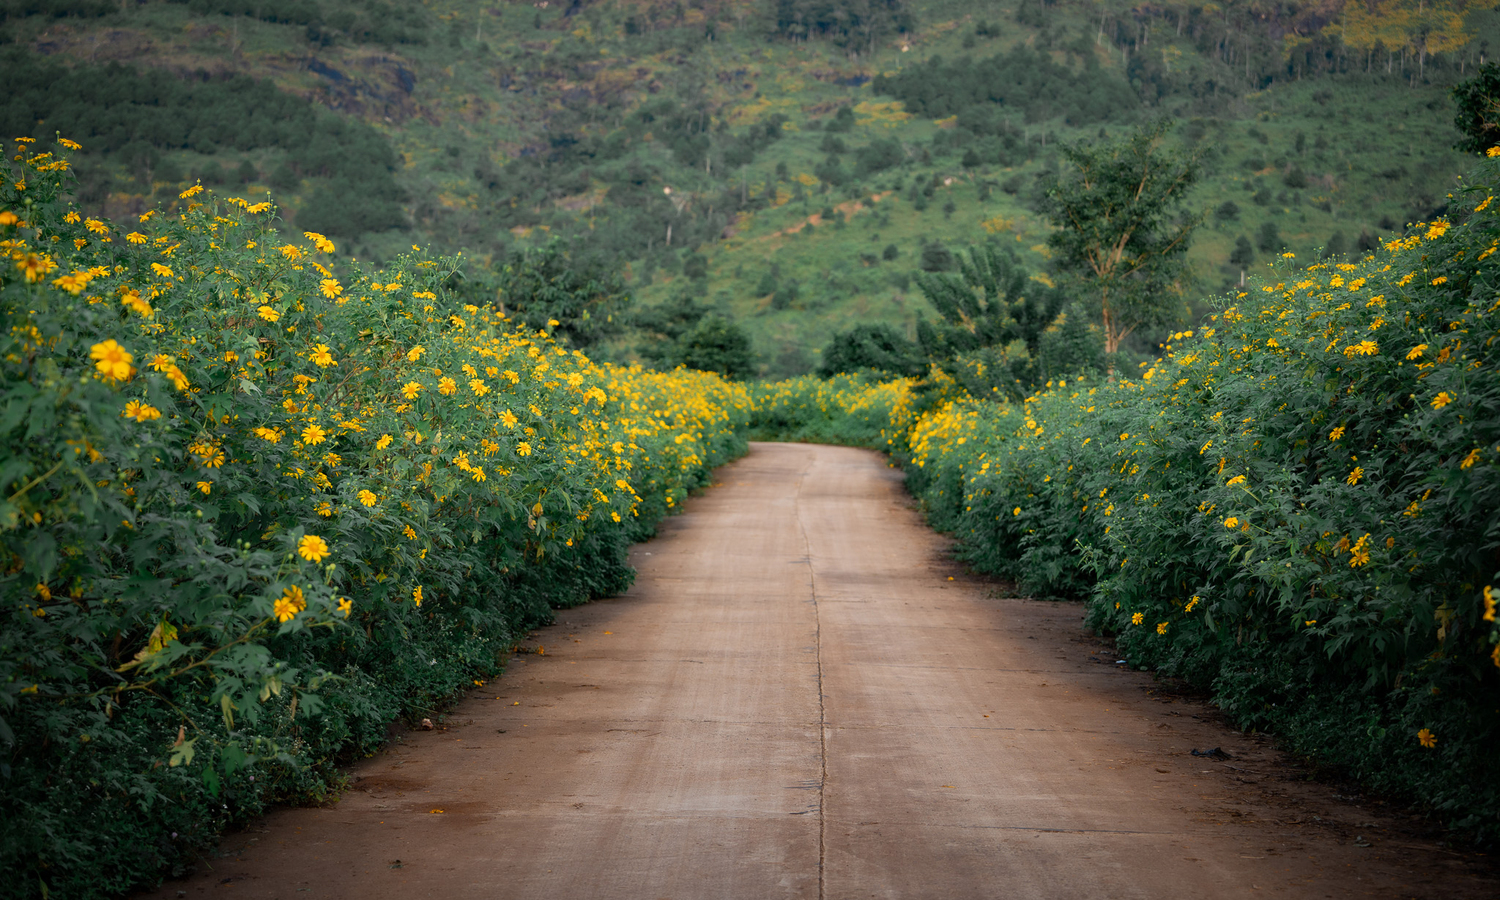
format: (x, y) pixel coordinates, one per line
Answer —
(801, 698)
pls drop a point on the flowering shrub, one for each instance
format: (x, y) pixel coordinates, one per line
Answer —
(253, 508)
(846, 409)
(1298, 506)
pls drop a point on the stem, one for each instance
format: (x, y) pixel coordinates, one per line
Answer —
(38, 480)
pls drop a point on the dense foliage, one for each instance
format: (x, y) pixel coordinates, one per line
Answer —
(132, 116)
(855, 25)
(1122, 233)
(254, 509)
(1298, 507)
(1030, 83)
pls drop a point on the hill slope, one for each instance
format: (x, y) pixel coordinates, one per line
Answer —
(701, 148)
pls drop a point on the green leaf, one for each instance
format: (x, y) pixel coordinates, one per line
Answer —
(182, 754)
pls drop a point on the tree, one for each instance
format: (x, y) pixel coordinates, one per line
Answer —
(877, 347)
(1269, 239)
(992, 315)
(1476, 112)
(1243, 254)
(1071, 345)
(1121, 233)
(580, 298)
(716, 345)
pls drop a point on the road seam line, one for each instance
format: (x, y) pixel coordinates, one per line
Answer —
(812, 589)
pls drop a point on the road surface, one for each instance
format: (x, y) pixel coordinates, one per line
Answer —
(801, 697)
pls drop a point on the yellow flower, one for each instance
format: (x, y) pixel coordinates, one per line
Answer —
(410, 390)
(269, 434)
(447, 386)
(1231, 522)
(477, 473)
(1471, 459)
(508, 419)
(35, 266)
(1492, 152)
(291, 252)
(205, 487)
(330, 288)
(1416, 352)
(322, 357)
(523, 449)
(1336, 433)
(141, 412)
(1192, 603)
(1016, 511)
(312, 548)
(1489, 603)
(1359, 554)
(323, 244)
(1238, 479)
(325, 509)
(1363, 348)
(478, 387)
(71, 145)
(134, 301)
(1356, 475)
(193, 191)
(384, 442)
(112, 360)
(268, 313)
(411, 535)
(289, 604)
(1137, 618)
(416, 595)
(514, 378)
(1427, 738)
(415, 353)
(163, 271)
(135, 237)
(1161, 627)
(1441, 400)
(314, 434)
(368, 498)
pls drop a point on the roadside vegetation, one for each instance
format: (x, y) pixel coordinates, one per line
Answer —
(1294, 507)
(256, 510)
(358, 336)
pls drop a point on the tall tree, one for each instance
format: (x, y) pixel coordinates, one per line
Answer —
(579, 298)
(1122, 233)
(1476, 110)
(992, 315)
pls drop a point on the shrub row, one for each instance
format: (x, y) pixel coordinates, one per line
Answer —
(1296, 507)
(257, 503)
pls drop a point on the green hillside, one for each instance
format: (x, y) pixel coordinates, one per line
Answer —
(785, 163)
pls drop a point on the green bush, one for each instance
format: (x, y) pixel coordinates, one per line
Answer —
(254, 510)
(1297, 507)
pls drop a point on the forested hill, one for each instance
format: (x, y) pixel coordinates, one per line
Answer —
(786, 164)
